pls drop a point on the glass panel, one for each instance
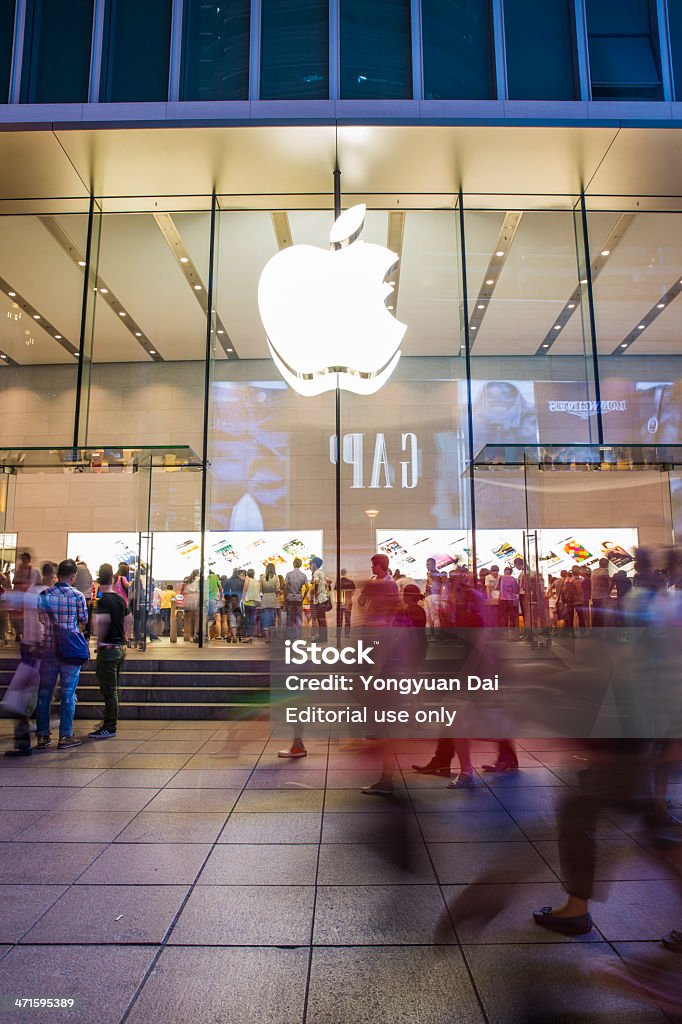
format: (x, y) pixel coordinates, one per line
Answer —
(216, 50)
(376, 61)
(539, 46)
(41, 299)
(294, 50)
(458, 50)
(636, 297)
(624, 57)
(57, 45)
(136, 51)
(6, 41)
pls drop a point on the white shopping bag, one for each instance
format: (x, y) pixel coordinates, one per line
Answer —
(22, 693)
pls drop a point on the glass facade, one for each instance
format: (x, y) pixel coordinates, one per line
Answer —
(539, 44)
(376, 61)
(136, 55)
(215, 62)
(294, 50)
(6, 41)
(458, 50)
(623, 49)
(57, 46)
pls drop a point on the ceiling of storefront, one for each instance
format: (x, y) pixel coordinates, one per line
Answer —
(417, 169)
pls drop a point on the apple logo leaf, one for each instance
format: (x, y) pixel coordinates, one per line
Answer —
(348, 226)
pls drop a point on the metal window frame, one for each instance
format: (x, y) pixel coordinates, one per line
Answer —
(17, 51)
(99, 13)
(255, 29)
(499, 49)
(334, 49)
(175, 57)
(582, 51)
(665, 51)
(417, 50)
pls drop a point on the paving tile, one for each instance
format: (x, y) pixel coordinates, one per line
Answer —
(173, 827)
(264, 800)
(355, 778)
(153, 864)
(476, 826)
(110, 913)
(534, 776)
(196, 800)
(637, 911)
(103, 799)
(49, 776)
(489, 862)
(243, 915)
(185, 744)
(354, 801)
(519, 984)
(101, 979)
(287, 778)
(651, 963)
(14, 822)
(22, 905)
(262, 864)
(504, 913)
(543, 824)
(379, 915)
(389, 985)
(532, 798)
(461, 801)
(85, 757)
(375, 864)
(210, 778)
(30, 798)
(224, 986)
(68, 826)
(153, 761)
(220, 761)
(45, 863)
(349, 827)
(126, 778)
(294, 827)
(357, 760)
(617, 859)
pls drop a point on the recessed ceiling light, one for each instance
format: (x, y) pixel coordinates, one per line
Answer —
(606, 252)
(138, 334)
(557, 327)
(661, 305)
(81, 263)
(220, 330)
(12, 295)
(546, 345)
(624, 345)
(571, 305)
(500, 252)
(121, 312)
(58, 337)
(184, 259)
(152, 351)
(640, 327)
(197, 287)
(2, 355)
(230, 350)
(480, 306)
(76, 353)
(36, 316)
(473, 327)
(490, 281)
(583, 280)
(104, 291)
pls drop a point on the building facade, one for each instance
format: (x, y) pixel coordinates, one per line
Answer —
(522, 161)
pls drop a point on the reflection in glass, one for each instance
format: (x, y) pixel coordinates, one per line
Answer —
(136, 51)
(216, 50)
(624, 59)
(294, 50)
(539, 49)
(6, 38)
(57, 42)
(458, 50)
(376, 50)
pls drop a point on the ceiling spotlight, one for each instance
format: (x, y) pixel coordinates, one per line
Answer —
(184, 259)
(661, 305)
(624, 345)
(230, 350)
(557, 327)
(58, 337)
(12, 295)
(583, 280)
(104, 291)
(152, 351)
(473, 327)
(480, 306)
(571, 305)
(197, 287)
(36, 316)
(81, 263)
(500, 252)
(546, 345)
(490, 281)
(606, 252)
(2, 355)
(640, 327)
(76, 353)
(220, 330)
(121, 312)
(138, 334)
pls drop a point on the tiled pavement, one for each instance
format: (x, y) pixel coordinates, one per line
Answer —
(182, 873)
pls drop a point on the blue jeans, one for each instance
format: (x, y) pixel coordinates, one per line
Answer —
(50, 669)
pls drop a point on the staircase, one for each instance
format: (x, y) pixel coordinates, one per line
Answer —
(196, 690)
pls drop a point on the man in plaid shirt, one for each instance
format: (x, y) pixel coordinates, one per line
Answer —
(64, 606)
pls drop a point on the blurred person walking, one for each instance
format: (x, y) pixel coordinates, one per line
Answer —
(345, 590)
(111, 624)
(63, 615)
(295, 582)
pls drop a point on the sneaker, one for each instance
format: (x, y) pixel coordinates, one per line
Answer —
(101, 734)
(463, 781)
(19, 752)
(44, 743)
(66, 742)
(293, 752)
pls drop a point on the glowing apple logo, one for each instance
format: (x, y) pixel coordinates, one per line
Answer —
(325, 312)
